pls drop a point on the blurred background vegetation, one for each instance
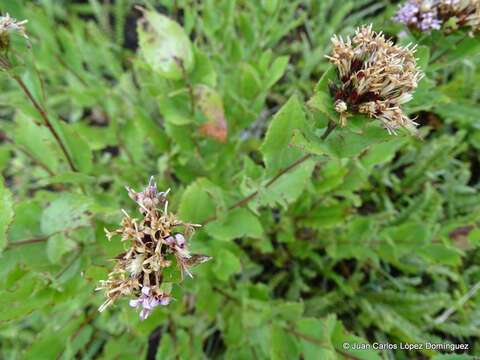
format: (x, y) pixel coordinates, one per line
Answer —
(377, 244)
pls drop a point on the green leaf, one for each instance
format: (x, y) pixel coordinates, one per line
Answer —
(226, 264)
(22, 297)
(57, 245)
(204, 71)
(314, 341)
(163, 44)
(288, 187)
(151, 130)
(340, 337)
(283, 344)
(76, 146)
(276, 151)
(439, 253)
(173, 273)
(36, 140)
(276, 71)
(423, 55)
(454, 357)
(6, 212)
(236, 223)
(346, 142)
(174, 109)
(196, 205)
(66, 212)
(323, 102)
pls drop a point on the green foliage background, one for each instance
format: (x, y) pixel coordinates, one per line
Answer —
(371, 239)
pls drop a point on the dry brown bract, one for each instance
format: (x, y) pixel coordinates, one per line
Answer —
(465, 12)
(376, 78)
(151, 245)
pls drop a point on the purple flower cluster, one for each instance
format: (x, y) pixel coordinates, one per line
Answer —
(148, 302)
(420, 14)
(407, 14)
(429, 21)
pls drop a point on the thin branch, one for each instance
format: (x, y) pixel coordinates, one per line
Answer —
(330, 127)
(47, 120)
(27, 242)
(42, 85)
(4, 137)
(251, 196)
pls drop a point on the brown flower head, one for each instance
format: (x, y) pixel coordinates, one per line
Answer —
(376, 77)
(151, 245)
(464, 13)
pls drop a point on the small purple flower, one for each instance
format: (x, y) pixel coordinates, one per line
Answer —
(180, 240)
(407, 14)
(148, 302)
(170, 239)
(429, 21)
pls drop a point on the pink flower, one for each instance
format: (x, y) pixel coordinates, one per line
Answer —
(148, 302)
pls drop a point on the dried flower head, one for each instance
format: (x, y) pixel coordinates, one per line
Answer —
(428, 15)
(376, 77)
(462, 12)
(8, 25)
(151, 245)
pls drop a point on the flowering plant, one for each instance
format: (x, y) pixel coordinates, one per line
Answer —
(278, 134)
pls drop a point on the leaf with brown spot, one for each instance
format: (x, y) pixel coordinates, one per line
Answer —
(211, 105)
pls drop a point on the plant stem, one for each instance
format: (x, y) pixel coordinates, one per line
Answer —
(330, 127)
(47, 120)
(30, 241)
(251, 196)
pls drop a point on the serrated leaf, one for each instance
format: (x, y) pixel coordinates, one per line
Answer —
(275, 148)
